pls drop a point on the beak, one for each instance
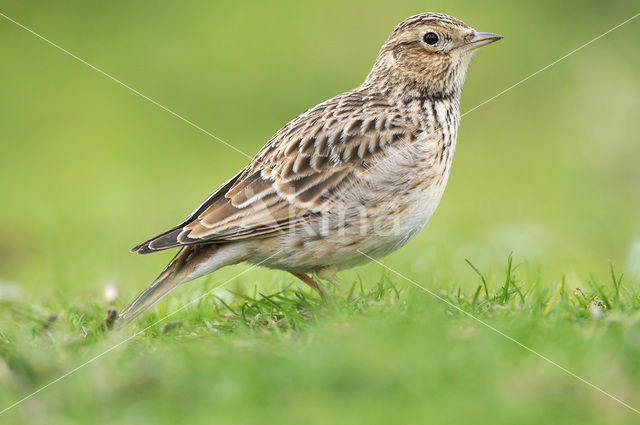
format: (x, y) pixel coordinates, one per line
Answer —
(480, 39)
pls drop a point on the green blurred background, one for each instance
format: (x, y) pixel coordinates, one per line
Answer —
(548, 171)
(88, 169)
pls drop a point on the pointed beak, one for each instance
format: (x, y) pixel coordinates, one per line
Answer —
(480, 39)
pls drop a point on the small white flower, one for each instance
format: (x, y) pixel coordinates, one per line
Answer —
(596, 308)
(110, 292)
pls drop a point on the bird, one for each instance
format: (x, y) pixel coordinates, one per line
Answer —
(353, 178)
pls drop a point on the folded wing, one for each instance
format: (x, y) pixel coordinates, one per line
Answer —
(295, 175)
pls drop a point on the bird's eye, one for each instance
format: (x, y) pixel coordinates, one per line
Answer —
(430, 38)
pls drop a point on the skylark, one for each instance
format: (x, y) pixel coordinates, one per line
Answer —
(360, 173)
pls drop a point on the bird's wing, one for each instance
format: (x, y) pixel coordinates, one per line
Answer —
(295, 175)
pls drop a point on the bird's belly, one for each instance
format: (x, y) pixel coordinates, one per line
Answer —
(407, 219)
(383, 231)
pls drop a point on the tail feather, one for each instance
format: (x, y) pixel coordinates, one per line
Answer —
(191, 262)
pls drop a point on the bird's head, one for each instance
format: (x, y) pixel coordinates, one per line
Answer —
(431, 51)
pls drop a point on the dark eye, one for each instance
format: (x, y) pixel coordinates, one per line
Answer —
(430, 38)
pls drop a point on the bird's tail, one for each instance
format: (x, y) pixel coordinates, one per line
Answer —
(192, 261)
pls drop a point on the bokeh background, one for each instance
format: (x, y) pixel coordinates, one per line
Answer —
(548, 171)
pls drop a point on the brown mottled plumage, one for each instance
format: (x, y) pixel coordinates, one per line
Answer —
(360, 173)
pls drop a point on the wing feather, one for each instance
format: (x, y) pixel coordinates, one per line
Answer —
(293, 175)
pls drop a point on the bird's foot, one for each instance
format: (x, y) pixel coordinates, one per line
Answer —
(312, 283)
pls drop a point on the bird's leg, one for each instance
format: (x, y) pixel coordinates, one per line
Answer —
(329, 274)
(309, 281)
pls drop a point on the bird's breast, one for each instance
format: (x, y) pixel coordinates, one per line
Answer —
(416, 174)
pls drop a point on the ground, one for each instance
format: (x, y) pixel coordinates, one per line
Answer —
(374, 352)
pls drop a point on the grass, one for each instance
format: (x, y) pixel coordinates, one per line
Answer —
(372, 352)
